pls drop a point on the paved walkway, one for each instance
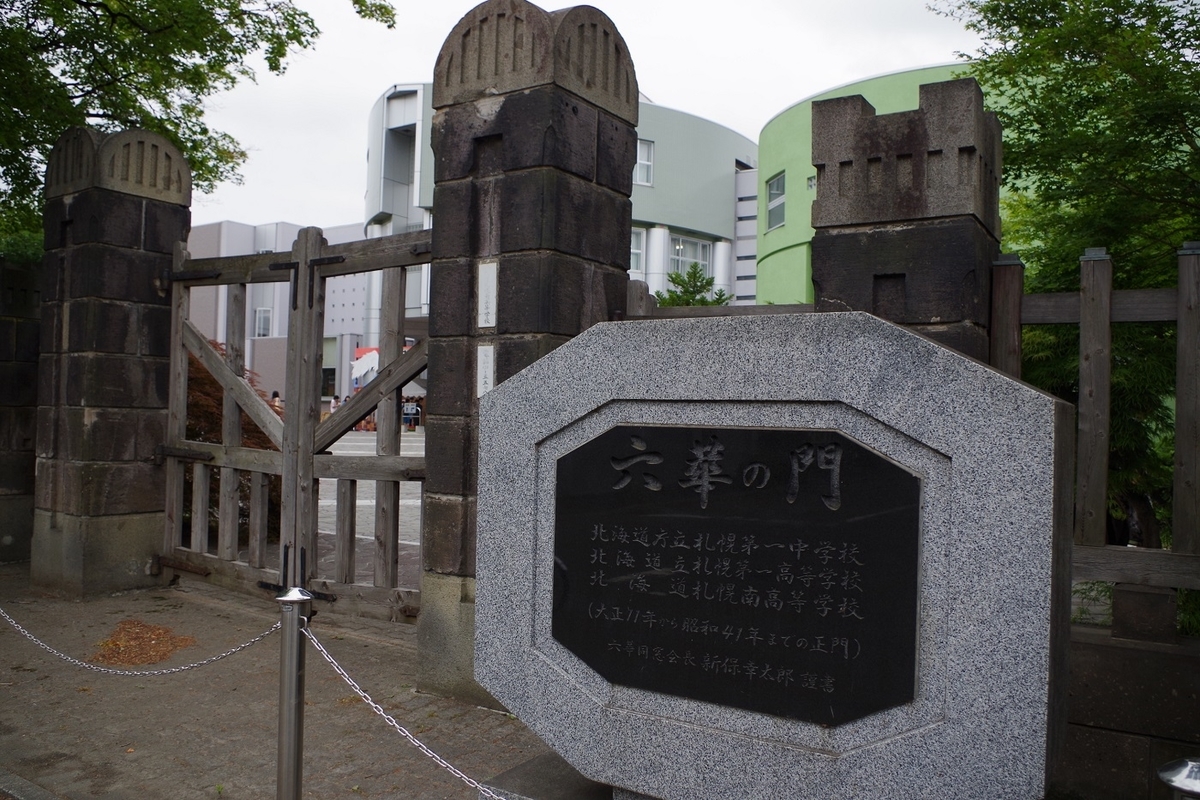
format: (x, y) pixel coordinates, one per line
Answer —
(66, 732)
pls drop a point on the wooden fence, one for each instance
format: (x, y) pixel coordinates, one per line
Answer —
(1095, 308)
(299, 457)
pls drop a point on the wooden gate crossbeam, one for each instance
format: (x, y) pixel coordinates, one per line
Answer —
(386, 381)
(236, 385)
(368, 255)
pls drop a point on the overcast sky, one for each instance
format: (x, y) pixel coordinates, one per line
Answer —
(736, 62)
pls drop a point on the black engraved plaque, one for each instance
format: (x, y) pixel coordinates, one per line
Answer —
(765, 569)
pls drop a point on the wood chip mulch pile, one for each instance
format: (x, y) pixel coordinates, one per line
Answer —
(134, 642)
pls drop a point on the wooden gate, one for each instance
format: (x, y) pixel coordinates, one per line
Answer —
(301, 439)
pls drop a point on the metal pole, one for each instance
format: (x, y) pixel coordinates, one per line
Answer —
(295, 610)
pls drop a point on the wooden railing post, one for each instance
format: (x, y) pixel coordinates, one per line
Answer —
(387, 430)
(1095, 372)
(1008, 288)
(1186, 517)
(231, 423)
(176, 430)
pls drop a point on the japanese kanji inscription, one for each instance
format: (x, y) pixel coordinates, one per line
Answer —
(766, 569)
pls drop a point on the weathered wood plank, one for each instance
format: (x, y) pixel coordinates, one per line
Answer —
(176, 409)
(303, 399)
(389, 378)
(1128, 305)
(1141, 565)
(1008, 287)
(237, 269)
(231, 421)
(238, 458)
(1186, 513)
(235, 384)
(347, 513)
(260, 498)
(367, 255)
(230, 572)
(387, 437)
(392, 605)
(370, 468)
(687, 312)
(1095, 374)
(200, 490)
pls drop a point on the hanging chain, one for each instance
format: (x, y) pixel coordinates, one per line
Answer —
(135, 672)
(378, 709)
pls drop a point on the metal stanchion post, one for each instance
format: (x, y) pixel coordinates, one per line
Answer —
(1183, 776)
(295, 610)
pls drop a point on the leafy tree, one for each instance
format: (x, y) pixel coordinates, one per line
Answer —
(1100, 102)
(134, 63)
(691, 288)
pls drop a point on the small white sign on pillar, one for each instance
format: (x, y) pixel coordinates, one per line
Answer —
(485, 369)
(487, 293)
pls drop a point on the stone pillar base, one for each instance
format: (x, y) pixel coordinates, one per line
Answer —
(76, 556)
(446, 640)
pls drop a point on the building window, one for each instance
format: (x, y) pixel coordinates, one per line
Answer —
(776, 196)
(328, 381)
(685, 252)
(643, 173)
(637, 247)
(262, 322)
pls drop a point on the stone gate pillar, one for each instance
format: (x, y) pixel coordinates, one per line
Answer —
(907, 214)
(534, 140)
(115, 207)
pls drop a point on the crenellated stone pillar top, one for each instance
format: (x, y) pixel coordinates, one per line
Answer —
(505, 46)
(940, 160)
(135, 162)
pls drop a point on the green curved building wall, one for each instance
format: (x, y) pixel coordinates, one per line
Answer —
(785, 146)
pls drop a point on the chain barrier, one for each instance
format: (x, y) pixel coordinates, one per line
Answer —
(378, 709)
(135, 672)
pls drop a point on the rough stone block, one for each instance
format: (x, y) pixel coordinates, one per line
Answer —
(154, 331)
(451, 296)
(27, 340)
(18, 383)
(549, 210)
(940, 160)
(50, 330)
(114, 274)
(449, 534)
(112, 381)
(76, 556)
(49, 379)
(616, 154)
(8, 339)
(18, 427)
(450, 455)
(515, 353)
(99, 216)
(543, 127)
(16, 474)
(165, 224)
(1144, 612)
(97, 489)
(452, 233)
(445, 629)
(451, 382)
(101, 326)
(553, 293)
(17, 533)
(933, 273)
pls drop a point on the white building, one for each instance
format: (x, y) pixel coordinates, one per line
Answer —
(694, 200)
